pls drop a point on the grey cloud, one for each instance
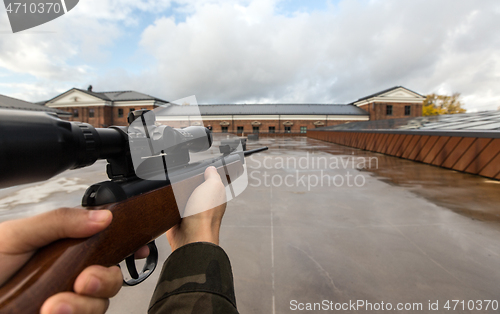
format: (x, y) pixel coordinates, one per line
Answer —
(225, 54)
(246, 52)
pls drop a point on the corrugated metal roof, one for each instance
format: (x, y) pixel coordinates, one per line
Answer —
(265, 109)
(486, 120)
(7, 102)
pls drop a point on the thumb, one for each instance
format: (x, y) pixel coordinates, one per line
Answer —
(25, 235)
(211, 173)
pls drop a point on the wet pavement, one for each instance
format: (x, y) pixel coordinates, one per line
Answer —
(312, 226)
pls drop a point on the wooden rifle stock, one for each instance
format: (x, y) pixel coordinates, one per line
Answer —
(136, 221)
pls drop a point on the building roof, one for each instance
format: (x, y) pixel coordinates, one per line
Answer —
(383, 92)
(98, 95)
(7, 102)
(264, 109)
(486, 120)
(480, 121)
(128, 95)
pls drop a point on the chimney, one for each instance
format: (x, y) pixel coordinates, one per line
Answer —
(89, 88)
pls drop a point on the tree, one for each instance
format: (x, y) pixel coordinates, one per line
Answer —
(442, 104)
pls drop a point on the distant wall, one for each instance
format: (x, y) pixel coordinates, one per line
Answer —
(265, 124)
(471, 152)
(272, 135)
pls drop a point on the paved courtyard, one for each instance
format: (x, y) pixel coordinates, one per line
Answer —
(312, 227)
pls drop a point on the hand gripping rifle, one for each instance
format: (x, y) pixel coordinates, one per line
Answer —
(37, 146)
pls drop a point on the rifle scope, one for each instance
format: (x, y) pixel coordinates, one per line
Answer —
(35, 146)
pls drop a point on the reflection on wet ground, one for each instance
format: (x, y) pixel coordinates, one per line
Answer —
(469, 195)
(411, 233)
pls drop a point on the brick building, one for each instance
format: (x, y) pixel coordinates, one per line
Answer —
(392, 103)
(103, 109)
(263, 118)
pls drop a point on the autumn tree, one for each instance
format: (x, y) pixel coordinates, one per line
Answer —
(442, 104)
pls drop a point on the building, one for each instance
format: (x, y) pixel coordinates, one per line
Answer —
(392, 103)
(103, 109)
(7, 102)
(264, 118)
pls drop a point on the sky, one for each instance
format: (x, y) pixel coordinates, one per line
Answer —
(260, 51)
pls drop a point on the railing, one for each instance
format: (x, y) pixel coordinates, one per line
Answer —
(475, 152)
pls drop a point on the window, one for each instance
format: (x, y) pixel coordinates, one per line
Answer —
(75, 113)
(288, 129)
(388, 110)
(240, 129)
(223, 129)
(120, 113)
(91, 113)
(303, 129)
(407, 110)
(255, 129)
(272, 129)
(131, 109)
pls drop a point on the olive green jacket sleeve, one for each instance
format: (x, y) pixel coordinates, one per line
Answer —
(196, 278)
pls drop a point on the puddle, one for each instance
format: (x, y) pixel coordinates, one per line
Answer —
(469, 195)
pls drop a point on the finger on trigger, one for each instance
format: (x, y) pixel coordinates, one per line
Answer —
(143, 252)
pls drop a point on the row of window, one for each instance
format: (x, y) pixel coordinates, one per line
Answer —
(388, 110)
(272, 129)
(76, 112)
(224, 129)
(120, 112)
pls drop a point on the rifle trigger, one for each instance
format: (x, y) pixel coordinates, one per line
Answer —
(148, 268)
(132, 270)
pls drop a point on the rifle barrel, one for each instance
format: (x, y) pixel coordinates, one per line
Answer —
(253, 151)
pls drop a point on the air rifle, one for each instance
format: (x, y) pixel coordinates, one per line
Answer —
(37, 146)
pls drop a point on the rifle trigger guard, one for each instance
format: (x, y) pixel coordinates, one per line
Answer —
(147, 270)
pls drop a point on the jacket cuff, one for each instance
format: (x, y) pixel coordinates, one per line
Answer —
(196, 267)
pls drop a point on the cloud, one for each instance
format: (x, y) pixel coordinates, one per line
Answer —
(256, 51)
(68, 51)
(227, 52)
